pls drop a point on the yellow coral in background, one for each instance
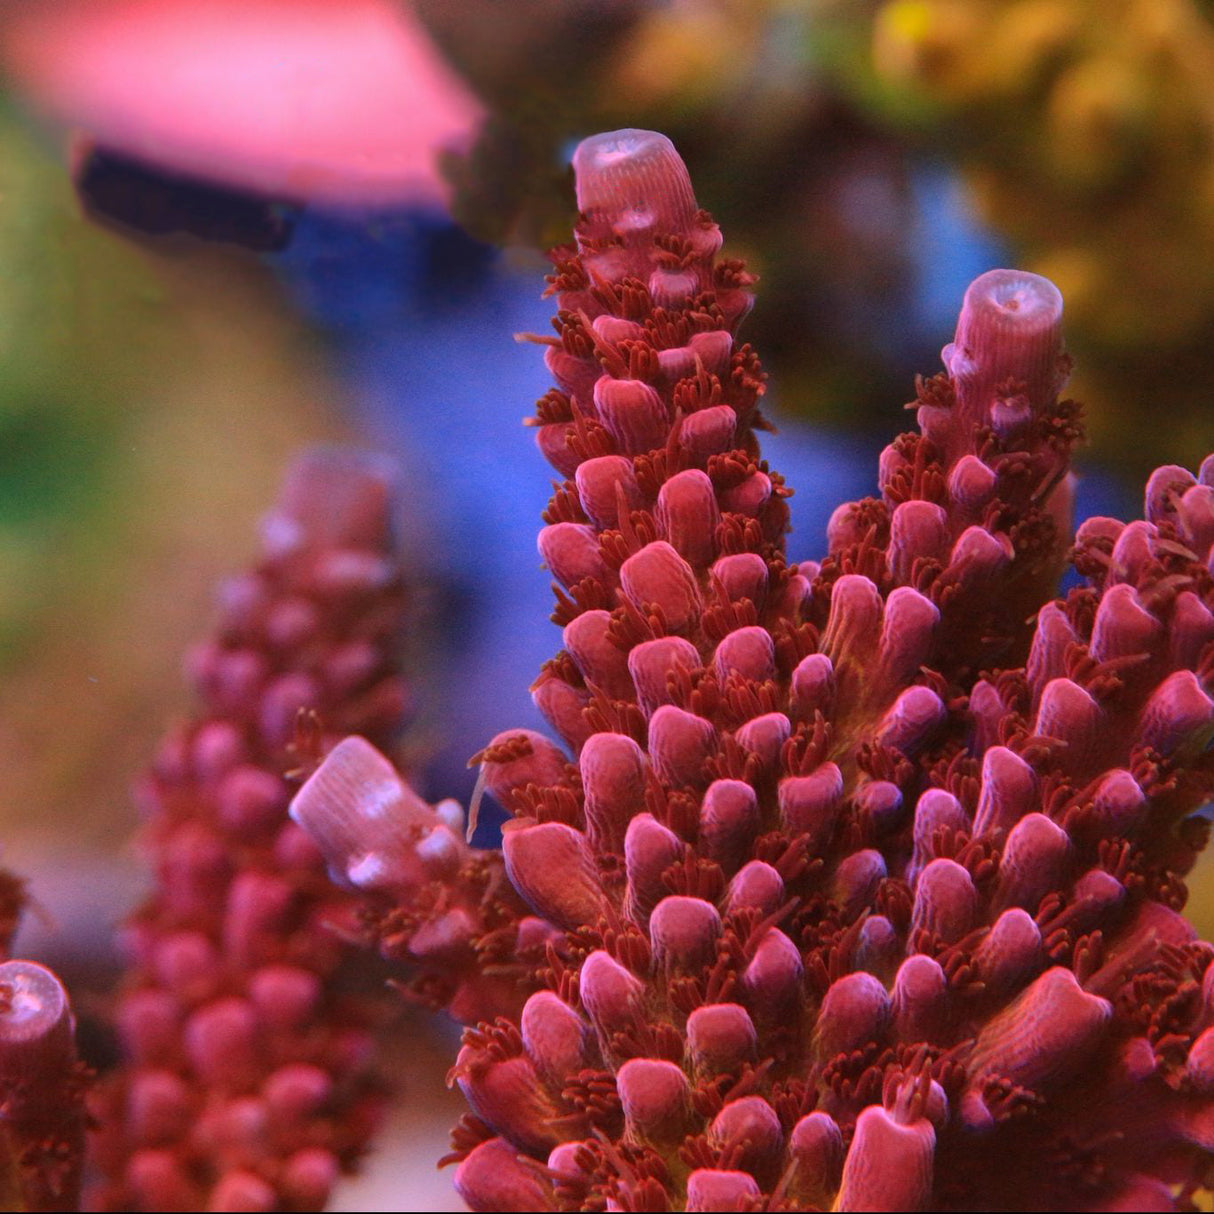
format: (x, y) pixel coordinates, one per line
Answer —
(1085, 130)
(1088, 131)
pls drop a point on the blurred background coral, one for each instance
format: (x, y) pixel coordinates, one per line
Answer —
(232, 227)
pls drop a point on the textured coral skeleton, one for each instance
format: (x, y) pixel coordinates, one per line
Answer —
(863, 876)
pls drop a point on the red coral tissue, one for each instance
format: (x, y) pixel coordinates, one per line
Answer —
(858, 882)
(245, 1084)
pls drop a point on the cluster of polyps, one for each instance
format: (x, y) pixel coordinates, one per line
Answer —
(861, 882)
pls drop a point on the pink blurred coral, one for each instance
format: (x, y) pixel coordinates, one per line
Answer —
(343, 104)
(246, 1082)
(866, 872)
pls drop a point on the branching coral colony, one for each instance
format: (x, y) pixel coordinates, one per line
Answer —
(865, 874)
(860, 890)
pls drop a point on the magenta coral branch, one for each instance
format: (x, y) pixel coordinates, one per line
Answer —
(42, 1085)
(974, 510)
(864, 876)
(246, 1084)
(847, 924)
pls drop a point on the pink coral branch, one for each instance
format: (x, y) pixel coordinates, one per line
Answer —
(42, 1086)
(246, 1083)
(805, 849)
(866, 872)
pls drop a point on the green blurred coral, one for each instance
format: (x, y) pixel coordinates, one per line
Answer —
(68, 296)
(1089, 132)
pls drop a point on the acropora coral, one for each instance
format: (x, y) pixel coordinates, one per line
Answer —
(245, 1082)
(42, 1088)
(821, 194)
(862, 876)
(853, 883)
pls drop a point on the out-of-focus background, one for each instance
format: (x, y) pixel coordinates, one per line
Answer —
(229, 228)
